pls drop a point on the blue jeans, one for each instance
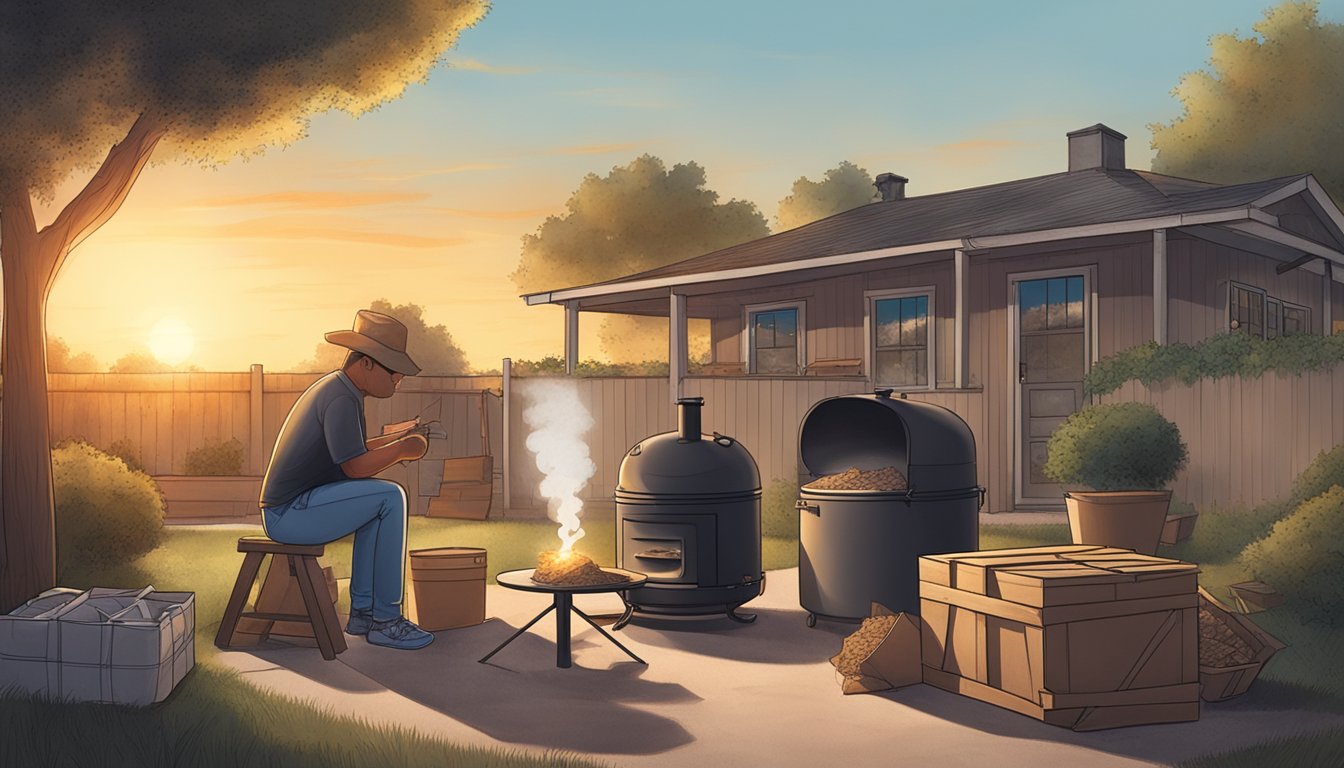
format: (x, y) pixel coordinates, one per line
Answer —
(373, 510)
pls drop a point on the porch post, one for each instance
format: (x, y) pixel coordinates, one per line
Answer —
(506, 392)
(959, 323)
(1328, 279)
(676, 343)
(1160, 286)
(571, 337)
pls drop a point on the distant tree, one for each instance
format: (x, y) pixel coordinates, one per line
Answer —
(430, 346)
(639, 216)
(103, 84)
(59, 359)
(139, 361)
(843, 187)
(1268, 106)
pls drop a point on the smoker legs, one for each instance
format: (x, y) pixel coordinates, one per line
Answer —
(625, 618)
(745, 618)
(563, 603)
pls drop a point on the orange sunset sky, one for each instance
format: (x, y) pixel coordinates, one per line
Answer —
(426, 199)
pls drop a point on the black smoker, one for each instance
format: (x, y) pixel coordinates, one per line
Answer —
(688, 515)
(857, 547)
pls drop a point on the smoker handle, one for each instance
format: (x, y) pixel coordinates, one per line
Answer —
(723, 440)
(803, 506)
(983, 490)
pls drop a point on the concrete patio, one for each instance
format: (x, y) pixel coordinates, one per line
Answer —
(714, 693)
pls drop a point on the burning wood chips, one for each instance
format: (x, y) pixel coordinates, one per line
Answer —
(572, 570)
(855, 479)
(861, 644)
(1219, 646)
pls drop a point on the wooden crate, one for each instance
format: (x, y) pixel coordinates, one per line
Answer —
(1078, 636)
(466, 490)
(1178, 528)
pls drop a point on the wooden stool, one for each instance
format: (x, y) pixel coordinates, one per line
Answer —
(303, 564)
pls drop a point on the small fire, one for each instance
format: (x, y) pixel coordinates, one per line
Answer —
(559, 420)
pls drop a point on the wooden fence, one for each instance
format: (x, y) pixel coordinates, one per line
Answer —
(1248, 439)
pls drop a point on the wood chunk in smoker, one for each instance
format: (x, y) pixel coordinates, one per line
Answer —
(855, 479)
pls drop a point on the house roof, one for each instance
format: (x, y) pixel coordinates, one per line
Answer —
(1053, 202)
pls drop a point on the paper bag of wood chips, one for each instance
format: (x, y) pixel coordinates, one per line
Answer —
(882, 654)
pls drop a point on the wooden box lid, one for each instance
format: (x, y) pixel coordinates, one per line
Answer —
(1060, 575)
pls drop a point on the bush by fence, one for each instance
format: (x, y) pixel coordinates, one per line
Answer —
(106, 513)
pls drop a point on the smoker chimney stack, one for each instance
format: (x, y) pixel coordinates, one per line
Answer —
(688, 418)
(891, 186)
(1096, 147)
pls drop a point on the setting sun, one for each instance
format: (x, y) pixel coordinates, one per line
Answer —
(171, 340)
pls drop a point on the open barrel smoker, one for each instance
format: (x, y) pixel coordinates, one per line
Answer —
(857, 546)
(688, 515)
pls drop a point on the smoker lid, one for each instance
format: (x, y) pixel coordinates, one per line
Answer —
(667, 465)
(879, 430)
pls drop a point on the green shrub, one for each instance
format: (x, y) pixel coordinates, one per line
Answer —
(779, 515)
(106, 514)
(1220, 355)
(125, 450)
(216, 458)
(1325, 470)
(1303, 559)
(1116, 447)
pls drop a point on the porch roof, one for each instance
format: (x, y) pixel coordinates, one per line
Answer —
(988, 216)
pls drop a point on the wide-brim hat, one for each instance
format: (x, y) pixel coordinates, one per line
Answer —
(379, 336)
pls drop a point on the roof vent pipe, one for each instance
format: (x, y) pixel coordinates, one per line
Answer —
(891, 186)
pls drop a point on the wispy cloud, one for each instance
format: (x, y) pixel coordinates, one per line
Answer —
(311, 200)
(474, 65)
(431, 172)
(979, 145)
(344, 230)
(598, 149)
(497, 215)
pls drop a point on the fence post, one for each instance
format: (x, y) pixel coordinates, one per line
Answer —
(257, 423)
(506, 385)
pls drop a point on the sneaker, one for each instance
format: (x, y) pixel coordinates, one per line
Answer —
(359, 622)
(398, 633)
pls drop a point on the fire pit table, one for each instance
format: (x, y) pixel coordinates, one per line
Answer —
(562, 602)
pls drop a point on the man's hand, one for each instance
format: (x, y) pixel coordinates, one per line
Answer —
(384, 452)
(417, 443)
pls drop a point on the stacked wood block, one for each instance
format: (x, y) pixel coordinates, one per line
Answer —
(1078, 636)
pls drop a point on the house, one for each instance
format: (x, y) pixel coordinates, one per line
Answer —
(996, 300)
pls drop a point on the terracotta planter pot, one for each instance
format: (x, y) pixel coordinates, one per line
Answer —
(1127, 519)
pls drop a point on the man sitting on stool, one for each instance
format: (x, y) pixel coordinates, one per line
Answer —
(320, 486)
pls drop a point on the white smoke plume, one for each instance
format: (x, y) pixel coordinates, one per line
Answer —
(559, 421)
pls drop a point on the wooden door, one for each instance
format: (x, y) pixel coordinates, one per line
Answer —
(1051, 358)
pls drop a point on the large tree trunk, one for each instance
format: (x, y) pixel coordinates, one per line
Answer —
(31, 261)
(27, 530)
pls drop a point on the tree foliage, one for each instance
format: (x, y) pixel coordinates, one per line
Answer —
(640, 216)
(842, 188)
(430, 346)
(61, 360)
(226, 79)
(1269, 105)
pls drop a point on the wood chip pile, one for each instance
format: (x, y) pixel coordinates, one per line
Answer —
(855, 479)
(861, 644)
(1219, 646)
(573, 570)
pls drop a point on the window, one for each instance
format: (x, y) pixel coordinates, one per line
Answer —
(774, 338)
(1296, 319)
(1246, 309)
(902, 339)
(1251, 310)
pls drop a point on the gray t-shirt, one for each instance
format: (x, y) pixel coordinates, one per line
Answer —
(324, 429)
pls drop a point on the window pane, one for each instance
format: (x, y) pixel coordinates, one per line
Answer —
(765, 330)
(1031, 301)
(888, 322)
(1075, 302)
(922, 322)
(786, 328)
(902, 368)
(1057, 296)
(780, 360)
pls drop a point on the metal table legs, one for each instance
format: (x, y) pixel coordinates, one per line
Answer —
(563, 603)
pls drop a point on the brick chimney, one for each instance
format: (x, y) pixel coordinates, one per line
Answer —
(1096, 147)
(891, 186)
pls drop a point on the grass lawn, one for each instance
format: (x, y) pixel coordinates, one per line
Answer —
(215, 718)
